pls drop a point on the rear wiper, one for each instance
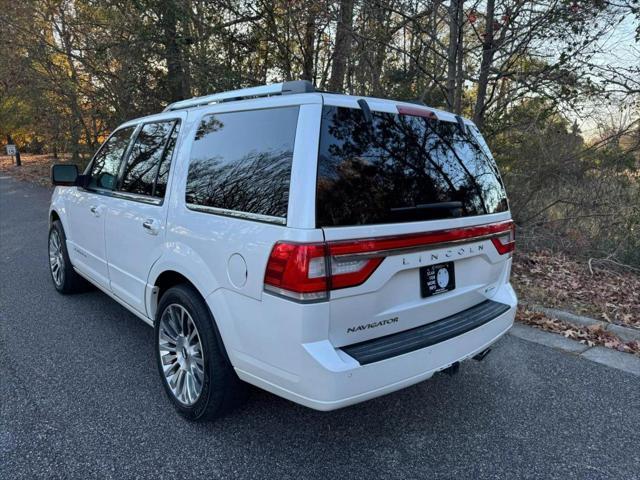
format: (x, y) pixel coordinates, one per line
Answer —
(366, 111)
(430, 206)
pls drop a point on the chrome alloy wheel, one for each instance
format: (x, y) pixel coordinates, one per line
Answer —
(56, 258)
(181, 354)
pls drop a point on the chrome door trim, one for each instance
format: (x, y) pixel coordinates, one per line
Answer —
(238, 214)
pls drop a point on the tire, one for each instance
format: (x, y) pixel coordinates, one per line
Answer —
(194, 368)
(64, 277)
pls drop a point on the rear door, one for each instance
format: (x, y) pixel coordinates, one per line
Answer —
(87, 209)
(412, 202)
(136, 213)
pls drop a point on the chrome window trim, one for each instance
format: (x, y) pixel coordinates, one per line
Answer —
(237, 214)
(136, 197)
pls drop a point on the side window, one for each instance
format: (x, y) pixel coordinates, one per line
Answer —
(241, 161)
(149, 151)
(106, 163)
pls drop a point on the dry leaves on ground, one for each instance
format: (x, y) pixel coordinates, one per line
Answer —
(591, 336)
(610, 293)
(35, 168)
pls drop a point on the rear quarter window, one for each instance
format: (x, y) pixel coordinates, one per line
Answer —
(241, 162)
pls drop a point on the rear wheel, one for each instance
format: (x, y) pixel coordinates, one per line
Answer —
(194, 369)
(64, 277)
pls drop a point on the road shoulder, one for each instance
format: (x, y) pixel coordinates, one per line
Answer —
(605, 356)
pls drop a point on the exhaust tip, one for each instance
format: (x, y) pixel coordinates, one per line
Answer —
(481, 356)
(452, 369)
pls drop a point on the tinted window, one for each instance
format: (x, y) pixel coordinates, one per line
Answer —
(401, 168)
(242, 161)
(105, 166)
(147, 152)
(165, 163)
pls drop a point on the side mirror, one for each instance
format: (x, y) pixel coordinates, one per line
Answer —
(83, 181)
(64, 175)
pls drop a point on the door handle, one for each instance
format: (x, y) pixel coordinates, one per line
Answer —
(151, 226)
(95, 210)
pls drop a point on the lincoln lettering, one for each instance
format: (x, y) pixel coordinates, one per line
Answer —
(459, 252)
(454, 252)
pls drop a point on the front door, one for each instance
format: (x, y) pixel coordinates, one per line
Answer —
(136, 212)
(87, 209)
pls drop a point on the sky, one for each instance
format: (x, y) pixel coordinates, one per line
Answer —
(618, 49)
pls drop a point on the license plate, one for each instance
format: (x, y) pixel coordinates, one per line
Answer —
(436, 279)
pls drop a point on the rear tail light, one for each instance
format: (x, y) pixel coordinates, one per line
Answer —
(299, 271)
(308, 271)
(506, 243)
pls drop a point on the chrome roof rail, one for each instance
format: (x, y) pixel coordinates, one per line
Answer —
(284, 88)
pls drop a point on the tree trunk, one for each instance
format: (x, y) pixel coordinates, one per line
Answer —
(454, 6)
(342, 49)
(459, 58)
(73, 92)
(176, 77)
(382, 32)
(309, 46)
(488, 50)
(75, 143)
(185, 59)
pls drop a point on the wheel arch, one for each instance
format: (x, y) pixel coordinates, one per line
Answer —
(171, 277)
(53, 216)
(57, 214)
(163, 277)
(58, 211)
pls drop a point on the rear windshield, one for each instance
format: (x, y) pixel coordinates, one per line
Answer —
(401, 168)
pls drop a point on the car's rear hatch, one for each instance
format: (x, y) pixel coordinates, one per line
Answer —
(414, 214)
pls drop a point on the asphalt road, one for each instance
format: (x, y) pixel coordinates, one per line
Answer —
(80, 398)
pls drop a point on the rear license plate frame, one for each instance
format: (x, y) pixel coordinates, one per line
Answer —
(432, 278)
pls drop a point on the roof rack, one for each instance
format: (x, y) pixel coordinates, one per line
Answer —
(284, 88)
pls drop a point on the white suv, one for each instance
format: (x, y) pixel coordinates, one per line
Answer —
(327, 248)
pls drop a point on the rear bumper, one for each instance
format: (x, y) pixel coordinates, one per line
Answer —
(327, 378)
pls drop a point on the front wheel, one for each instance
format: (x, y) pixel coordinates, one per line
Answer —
(64, 277)
(194, 369)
